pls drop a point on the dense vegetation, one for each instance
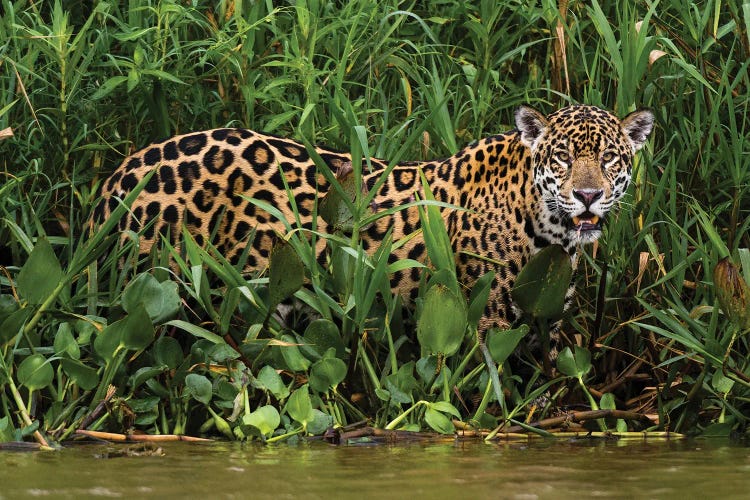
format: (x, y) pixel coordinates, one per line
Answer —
(85, 84)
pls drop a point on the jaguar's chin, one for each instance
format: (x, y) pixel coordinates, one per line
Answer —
(586, 227)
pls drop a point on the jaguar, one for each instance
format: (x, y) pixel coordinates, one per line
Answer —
(552, 180)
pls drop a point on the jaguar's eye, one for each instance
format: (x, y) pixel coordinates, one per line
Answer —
(608, 156)
(563, 157)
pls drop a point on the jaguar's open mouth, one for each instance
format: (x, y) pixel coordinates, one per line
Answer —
(586, 222)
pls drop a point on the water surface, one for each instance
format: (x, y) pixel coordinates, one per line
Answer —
(555, 469)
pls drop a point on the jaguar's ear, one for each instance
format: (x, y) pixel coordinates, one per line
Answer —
(531, 124)
(637, 125)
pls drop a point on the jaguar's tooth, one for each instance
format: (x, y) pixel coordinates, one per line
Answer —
(576, 221)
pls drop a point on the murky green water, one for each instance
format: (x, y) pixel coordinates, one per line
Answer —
(694, 469)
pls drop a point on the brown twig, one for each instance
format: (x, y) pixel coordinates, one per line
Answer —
(582, 416)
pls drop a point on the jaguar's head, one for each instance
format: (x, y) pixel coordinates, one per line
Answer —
(582, 159)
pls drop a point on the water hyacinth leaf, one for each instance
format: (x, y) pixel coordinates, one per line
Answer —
(335, 209)
(299, 407)
(286, 273)
(574, 363)
(383, 394)
(160, 299)
(139, 331)
(266, 419)
(167, 351)
(502, 343)
(221, 353)
(65, 343)
(323, 334)
(543, 282)
(401, 384)
(438, 422)
(427, 368)
(40, 274)
(320, 423)
(84, 376)
(7, 433)
(199, 387)
(445, 407)
(292, 355)
(12, 324)
(327, 373)
(268, 379)
(442, 323)
(109, 340)
(35, 372)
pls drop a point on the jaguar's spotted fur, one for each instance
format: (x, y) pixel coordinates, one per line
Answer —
(553, 180)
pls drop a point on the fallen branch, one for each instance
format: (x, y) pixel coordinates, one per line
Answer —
(386, 436)
(154, 438)
(581, 416)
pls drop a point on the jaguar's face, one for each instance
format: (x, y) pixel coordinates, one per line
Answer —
(582, 158)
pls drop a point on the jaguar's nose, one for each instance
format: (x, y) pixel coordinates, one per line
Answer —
(588, 196)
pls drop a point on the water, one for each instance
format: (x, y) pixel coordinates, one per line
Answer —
(567, 469)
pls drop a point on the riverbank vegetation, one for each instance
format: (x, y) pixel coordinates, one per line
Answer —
(195, 349)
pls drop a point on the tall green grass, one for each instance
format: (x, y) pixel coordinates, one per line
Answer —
(83, 84)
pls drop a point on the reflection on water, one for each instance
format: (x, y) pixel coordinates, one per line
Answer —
(465, 470)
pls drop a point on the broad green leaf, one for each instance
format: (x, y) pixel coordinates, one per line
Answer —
(292, 355)
(268, 379)
(574, 363)
(134, 331)
(327, 373)
(427, 368)
(445, 407)
(7, 433)
(401, 385)
(336, 207)
(35, 372)
(320, 423)
(286, 274)
(12, 324)
(266, 419)
(167, 351)
(321, 335)
(84, 376)
(65, 343)
(299, 407)
(220, 353)
(199, 387)
(438, 421)
(541, 285)
(109, 340)
(502, 343)
(139, 331)
(161, 300)
(40, 274)
(442, 323)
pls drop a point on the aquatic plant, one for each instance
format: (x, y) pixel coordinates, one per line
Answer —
(194, 346)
